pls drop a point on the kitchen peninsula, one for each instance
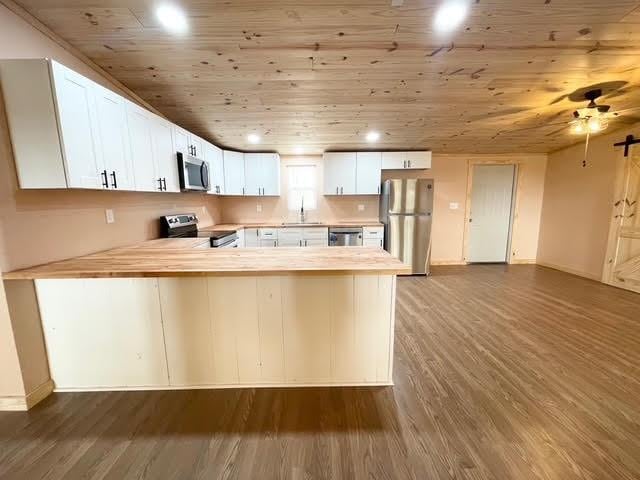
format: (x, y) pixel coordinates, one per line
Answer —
(168, 314)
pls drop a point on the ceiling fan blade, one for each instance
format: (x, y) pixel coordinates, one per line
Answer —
(624, 111)
(566, 124)
(556, 131)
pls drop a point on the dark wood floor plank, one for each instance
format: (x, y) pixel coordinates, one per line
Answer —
(501, 372)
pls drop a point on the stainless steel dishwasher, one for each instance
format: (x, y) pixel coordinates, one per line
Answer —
(345, 236)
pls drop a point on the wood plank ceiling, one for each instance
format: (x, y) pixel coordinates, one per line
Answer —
(317, 75)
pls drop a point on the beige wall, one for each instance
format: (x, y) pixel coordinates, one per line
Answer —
(577, 205)
(450, 174)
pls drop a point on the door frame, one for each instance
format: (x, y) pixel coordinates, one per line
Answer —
(515, 198)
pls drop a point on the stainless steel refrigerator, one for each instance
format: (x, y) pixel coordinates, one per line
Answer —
(406, 207)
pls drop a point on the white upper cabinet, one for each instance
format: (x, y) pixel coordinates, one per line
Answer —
(406, 160)
(233, 172)
(114, 138)
(340, 173)
(164, 155)
(368, 173)
(181, 140)
(197, 145)
(262, 173)
(213, 155)
(140, 124)
(78, 124)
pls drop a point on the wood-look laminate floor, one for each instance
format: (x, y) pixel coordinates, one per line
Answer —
(501, 373)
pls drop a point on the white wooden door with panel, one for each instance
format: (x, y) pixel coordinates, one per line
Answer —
(622, 263)
(340, 173)
(490, 213)
(164, 154)
(140, 126)
(213, 155)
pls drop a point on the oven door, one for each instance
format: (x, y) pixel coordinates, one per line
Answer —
(194, 173)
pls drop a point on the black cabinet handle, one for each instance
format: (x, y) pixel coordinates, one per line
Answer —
(160, 184)
(114, 179)
(105, 179)
(164, 183)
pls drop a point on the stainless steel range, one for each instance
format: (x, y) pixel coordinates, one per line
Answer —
(186, 226)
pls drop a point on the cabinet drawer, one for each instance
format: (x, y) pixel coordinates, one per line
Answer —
(316, 233)
(268, 233)
(372, 242)
(372, 232)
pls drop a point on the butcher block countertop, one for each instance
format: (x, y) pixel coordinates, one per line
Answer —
(151, 259)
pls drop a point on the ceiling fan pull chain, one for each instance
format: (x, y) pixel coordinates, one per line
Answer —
(586, 150)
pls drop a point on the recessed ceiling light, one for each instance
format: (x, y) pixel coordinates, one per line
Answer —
(253, 138)
(172, 18)
(450, 15)
(373, 136)
(298, 150)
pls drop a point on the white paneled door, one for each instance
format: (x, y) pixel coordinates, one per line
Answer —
(622, 264)
(490, 215)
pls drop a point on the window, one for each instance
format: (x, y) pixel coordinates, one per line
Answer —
(302, 186)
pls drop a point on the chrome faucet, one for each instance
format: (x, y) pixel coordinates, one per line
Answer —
(302, 214)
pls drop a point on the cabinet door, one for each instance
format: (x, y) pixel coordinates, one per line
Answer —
(368, 173)
(78, 125)
(94, 341)
(139, 123)
(181, 141)
(251, 238)
(114, 138)
(271, 174)
(418, 160)
(213, 155)
(164, 154)
(233, 172)
(289, 237)
(316, 242)
(268, 242)
(394, 160)
(253, 174)
(197, 145)
(339, 173)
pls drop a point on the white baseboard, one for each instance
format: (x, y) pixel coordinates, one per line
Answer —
(447, 262)
(22, 403)
(570, 270)
(221, 386)
(523, 261)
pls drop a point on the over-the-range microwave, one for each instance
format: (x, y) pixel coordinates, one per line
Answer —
(194, 173)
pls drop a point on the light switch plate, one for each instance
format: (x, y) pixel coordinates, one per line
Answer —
(258, 208)
(109, 216)
(361, 208)
(454, 206)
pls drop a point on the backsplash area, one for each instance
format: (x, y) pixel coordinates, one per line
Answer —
(276, 209)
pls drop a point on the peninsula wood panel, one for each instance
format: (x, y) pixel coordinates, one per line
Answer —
(193, 332)
(103, 333)
(319, 75)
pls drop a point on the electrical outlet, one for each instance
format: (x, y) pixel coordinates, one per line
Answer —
(109, 216)
(258, 208)
(361, 208)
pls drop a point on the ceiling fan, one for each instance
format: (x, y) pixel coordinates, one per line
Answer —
(591, 119)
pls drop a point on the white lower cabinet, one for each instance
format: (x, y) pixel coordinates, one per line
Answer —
(303, 237)
(216, 331)
(103, 333)
(251, 239)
